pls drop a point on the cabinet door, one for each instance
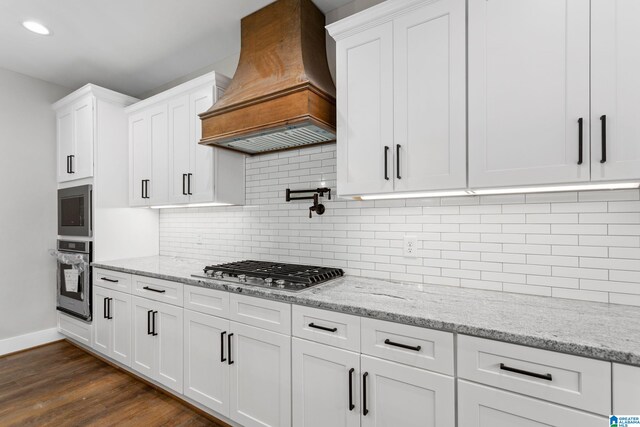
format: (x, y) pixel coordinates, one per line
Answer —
(480, 406)
(102, 333)
(260, 384)
(139, 158)
(430, 98)
(159, 185)
(323, 377)
(206, 368)
(82, 162)
(615, 89)
(143, 343)
(64, 127)
(179, 149)
(626, 389)
(202, 171)
(399, 395)
(364, 67)
(169, 329)
(120, 305)
(528, 88)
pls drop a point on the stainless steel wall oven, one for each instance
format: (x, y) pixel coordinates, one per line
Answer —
(74, 278)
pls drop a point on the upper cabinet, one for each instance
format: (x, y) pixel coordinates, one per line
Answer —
(77, 127)
(401, 98)
(615, 89)
(528, 92)
(167, 165)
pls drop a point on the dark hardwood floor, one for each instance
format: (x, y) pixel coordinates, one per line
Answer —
(62, 385)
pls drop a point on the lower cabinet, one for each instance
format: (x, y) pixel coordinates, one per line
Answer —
(340, 388)
(157, 342)
(480, 406)
(112, 318)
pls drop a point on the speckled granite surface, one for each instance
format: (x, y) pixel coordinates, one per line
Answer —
(602, 331)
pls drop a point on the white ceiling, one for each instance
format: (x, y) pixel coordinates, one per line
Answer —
(131, 46)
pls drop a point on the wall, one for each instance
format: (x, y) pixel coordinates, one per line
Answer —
(573, 245)
(28, 208)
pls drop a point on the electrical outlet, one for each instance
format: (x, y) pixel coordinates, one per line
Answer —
(410, 248)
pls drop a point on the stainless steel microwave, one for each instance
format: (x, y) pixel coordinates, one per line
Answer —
(74, 211)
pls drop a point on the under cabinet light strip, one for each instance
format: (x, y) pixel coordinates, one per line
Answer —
(190, 205)
(512, 190)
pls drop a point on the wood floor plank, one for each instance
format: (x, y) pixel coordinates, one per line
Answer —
(62, 385)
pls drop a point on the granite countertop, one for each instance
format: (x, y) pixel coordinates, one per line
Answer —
(603, 331)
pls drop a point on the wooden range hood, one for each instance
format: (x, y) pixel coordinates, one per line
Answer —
(282, 95)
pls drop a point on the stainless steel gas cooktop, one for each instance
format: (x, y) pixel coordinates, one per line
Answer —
(290, 277)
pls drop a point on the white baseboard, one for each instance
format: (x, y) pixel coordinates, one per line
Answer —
(33, 339)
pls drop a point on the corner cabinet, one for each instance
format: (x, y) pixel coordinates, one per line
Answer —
(401, 98)
(76, 123)
(167, 166)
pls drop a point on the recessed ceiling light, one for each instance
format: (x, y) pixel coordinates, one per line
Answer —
(36, 27)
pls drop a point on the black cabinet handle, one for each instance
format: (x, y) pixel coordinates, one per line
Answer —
(365, 411)
(398, 146)
(351, 405)
(71, 157)
(184, 184)
(189, 175)
(580, 140)
(386, 163)
(408, 347)
(530, 374)
(68, 165)
(104, 308)
(324, 328)
(109, 313)
(222, 358)
(106, 279)
(160, 291)
(153, 317)
(146, 188)
(149, 331)
(603, 120)
(229, 347)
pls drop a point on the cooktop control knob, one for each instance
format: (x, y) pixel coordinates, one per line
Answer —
(242, 277)
(268, 281)
(280, 283)
(218, 274)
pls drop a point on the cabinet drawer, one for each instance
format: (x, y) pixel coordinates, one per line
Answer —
(272, 315)
(112, 280)
(208, 301)
(420, 347)
(326, 327)
(158, 290)
(75, 329)
(561, 378)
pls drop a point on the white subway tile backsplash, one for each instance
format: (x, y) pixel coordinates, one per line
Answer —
(552, 244)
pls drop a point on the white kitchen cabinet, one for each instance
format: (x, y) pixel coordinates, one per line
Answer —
(615, 90)
(157, 345)
(326, 385)
(75, 139)
(206, 368)
(626, 389)
(528, 92)
(112, 324)
(167, 165)
(148, 157)
(400, 395)
(260, 377)
(401, 98)
(480, 406)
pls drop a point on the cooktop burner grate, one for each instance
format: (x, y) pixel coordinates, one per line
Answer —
(293, 273)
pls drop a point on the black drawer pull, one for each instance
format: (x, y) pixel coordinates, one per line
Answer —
(106, 279)
(351, 405)
(365, 411)
(222, 358)
(160, 291)
(324, 328)
(229, 346)
(530, 374)
(408, 347)
(603, 120)
(580, 140)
